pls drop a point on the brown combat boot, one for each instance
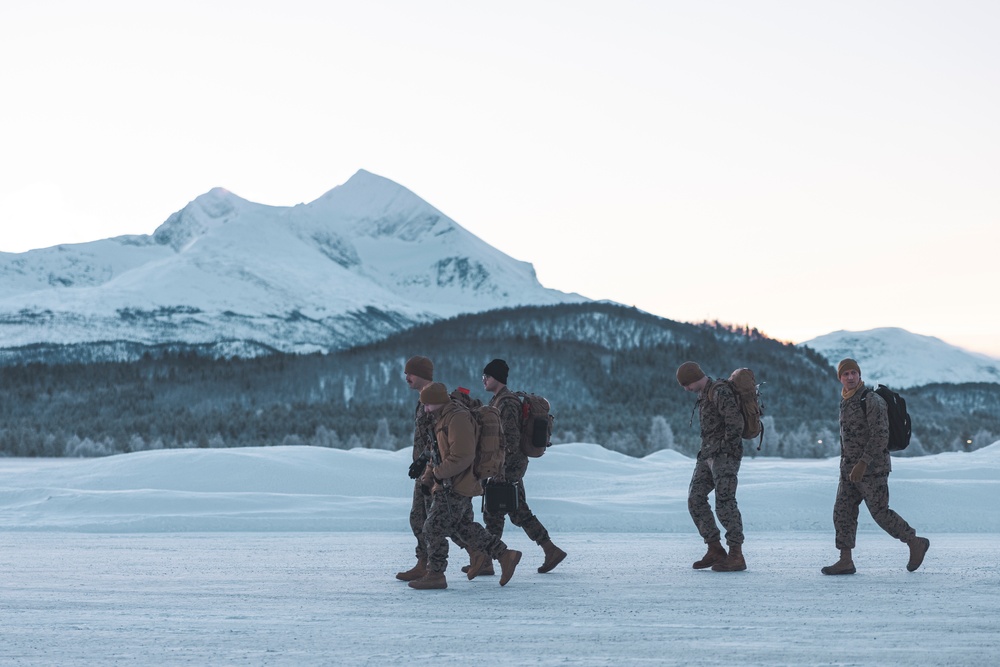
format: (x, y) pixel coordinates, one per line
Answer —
(734, 562)
(480, 564)
(430, 581)
(508, 562)
(843, 566)
(415, 572)
(553, 556)
(918, 549)
(486, 570)
(714, 555)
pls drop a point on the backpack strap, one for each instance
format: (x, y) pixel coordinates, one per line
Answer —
(864, 400)
(711, 390)
(517, 399)
(711, 399)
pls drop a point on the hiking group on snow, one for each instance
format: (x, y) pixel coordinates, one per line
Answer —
(463, 449)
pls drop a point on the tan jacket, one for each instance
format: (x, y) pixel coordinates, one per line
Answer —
(456, 438)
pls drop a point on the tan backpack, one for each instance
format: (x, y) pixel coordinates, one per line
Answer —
(746, 390)
(489, 435)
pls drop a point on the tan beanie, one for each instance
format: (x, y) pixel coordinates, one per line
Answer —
(434, 394)
(422, 367)
(689, 372)
(846, 365)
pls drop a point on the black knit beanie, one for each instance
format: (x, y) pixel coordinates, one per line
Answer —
(497, 369)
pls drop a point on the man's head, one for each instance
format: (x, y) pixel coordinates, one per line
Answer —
(434, 397)
(495, 375)
(849, 374)
(691, 377)
(419, 372)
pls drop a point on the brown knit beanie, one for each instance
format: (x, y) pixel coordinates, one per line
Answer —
(422, 367)
(434, 394)
(689, 372)
(846, 365)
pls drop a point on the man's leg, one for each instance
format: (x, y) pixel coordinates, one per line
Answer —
(725, 475)
(876, 494)
(418, 515)
(487, 548)
(725, 472)
(845, 524)
(701, 485)
(875, 491)
(440, 523)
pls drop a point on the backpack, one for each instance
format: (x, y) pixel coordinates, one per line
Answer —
(536, 423)
(899, 418)
(747, 393)
(489, 435)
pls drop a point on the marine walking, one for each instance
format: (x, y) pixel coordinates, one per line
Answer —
(865, 465)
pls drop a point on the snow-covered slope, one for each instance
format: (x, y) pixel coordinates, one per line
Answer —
(902, 359)
(366, 259)
(576, 487)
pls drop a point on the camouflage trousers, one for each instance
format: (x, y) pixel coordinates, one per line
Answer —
(419, 508)
(721, 475)
(418, 515)
(874, 490)
(513, 471)
(451, 515)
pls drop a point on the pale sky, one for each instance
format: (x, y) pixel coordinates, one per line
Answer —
(801, 167)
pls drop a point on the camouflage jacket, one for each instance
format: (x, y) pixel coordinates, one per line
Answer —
(423, 430)
(864, 437)
(721, 421)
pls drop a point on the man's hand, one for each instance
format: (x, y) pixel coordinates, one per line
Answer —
(858, 471)
(417, 467)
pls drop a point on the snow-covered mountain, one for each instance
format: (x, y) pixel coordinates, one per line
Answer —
(366, 259)
(902, 359)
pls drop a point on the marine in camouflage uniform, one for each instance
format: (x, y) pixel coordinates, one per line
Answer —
(864, 471)
(453, 486)
(423, 430)
(418, 373)
(515, 466)
(716, 469)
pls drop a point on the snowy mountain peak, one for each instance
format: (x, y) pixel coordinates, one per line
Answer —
(365, 260)
(901, 359)
(379, 207)
(216, 207)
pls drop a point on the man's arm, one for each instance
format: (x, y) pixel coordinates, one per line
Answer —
(731, 415)
(877, 415)
(461, 452)
(510, 422)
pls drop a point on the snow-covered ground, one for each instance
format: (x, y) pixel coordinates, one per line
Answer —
(286, 556)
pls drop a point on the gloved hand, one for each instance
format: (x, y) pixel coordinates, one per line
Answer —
(858, 471)
(417, 467)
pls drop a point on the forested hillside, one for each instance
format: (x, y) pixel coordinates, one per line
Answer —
(608, 371)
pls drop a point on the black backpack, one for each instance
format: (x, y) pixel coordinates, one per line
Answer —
(899, 419)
